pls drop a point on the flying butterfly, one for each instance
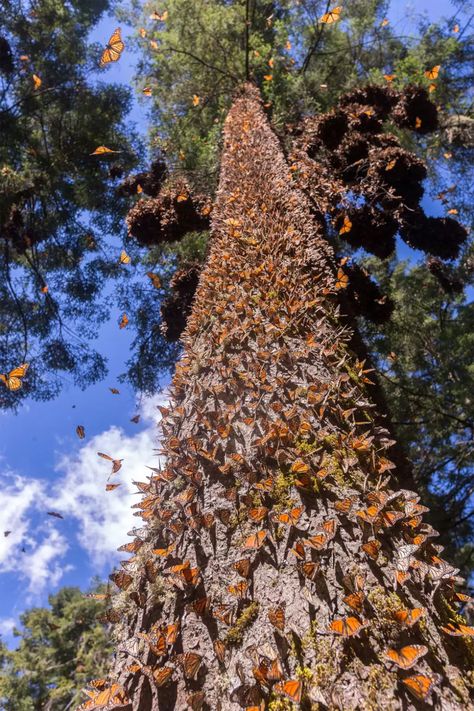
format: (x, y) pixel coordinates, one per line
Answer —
(113, 49)
(332, 16)
(102, 150)
(13, 379)
(342, 281)
(407, 656)
(346, 226)
(433, 73)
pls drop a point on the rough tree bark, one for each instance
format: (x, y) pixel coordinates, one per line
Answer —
(277, 565)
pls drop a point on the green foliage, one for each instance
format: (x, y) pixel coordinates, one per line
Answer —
(425, 355)
(56, 200)
(60, 649)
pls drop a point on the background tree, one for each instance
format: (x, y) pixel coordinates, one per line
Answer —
(57, 202)
(59, 648)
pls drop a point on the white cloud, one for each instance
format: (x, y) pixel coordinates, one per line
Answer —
(32, 553)
(103, 517)
(6, 626)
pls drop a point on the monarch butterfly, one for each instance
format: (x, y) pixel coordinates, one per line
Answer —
(310, 569)
(258, 514)
(151, 571)
(12, 380)
(111, 487)
(390, 518)
(123, 321)
(199, 607)
(55, 514)
(80, 431)
(298, 550)
(155, 279)
(196, 99)
(113, 50)
(37, 81)
(332, 16)
(224, 614)
(299, 467)
(406, 657)
(116, 463)
(256, 540)
(389, 77)
(345, 505)
(409, 617)
(160, 18)
(111, 695)
(372, 548)
(420, 685)
(368, 515)
(277, 617)
(292, 517)
(355, 600)
(418, 122)
(401, 577)
(164, 552)
(156, 642)
(347, 626)
(433, 73)
(293, 688)
(319, 541)
(122, 580)
(239, 590)
(162, 675)
(265, 485)
(220, 649)
(242, 566)
(346, 227)
(190, 662)
(458, 630)
(342, 281)
(102, 150)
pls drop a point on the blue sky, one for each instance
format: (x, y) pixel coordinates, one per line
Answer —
(44, 466)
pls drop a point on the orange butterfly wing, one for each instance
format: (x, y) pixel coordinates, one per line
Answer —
(293, 688)
(419, 685)
(407, 656)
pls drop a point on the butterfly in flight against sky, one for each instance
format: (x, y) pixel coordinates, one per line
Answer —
(13, 379)
(113, 50)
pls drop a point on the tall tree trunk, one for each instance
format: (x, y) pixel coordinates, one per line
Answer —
(293, 567)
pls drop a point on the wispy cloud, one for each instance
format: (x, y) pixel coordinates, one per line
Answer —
(36, 549)
(103, 516)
